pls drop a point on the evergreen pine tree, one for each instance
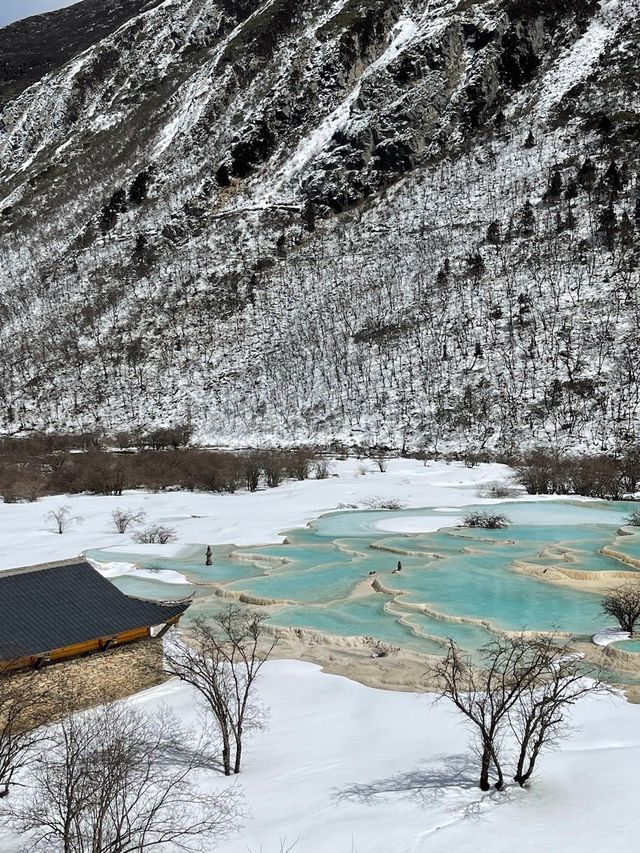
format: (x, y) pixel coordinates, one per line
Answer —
(613, 179)
(527, 219)
(608, 226)
(587, 175)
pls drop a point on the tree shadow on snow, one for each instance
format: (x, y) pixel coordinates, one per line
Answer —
(442, 775)
(197, 759)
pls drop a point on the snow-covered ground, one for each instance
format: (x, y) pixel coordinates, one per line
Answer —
(608, 636)
(27, 537)
(417, 524)
(344, 768)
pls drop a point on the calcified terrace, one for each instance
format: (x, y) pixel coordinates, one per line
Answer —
(338, 577)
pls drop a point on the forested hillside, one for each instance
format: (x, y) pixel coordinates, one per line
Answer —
(381, 221)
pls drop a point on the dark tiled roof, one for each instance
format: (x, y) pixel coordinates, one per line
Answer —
(48, 607)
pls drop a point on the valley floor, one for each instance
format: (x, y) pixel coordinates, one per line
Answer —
(344, 768)
(348, 769)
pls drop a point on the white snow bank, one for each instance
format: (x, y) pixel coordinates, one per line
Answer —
(118, 570)
(609, 635)
(172, 550)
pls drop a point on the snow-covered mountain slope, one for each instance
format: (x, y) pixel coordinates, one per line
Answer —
(39, 44)
(388, 221)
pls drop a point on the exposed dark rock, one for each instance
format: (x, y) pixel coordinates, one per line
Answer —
(35, 46)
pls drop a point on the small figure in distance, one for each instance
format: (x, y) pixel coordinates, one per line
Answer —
(209, 556)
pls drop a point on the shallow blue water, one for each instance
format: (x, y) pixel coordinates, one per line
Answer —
(628, 646)
(453, 572)
(147, 588)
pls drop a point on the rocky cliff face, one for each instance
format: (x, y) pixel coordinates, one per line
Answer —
(384, 221)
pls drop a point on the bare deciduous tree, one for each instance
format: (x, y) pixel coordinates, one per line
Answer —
(156, 534)
(252, 468)
(623, 604)
(114, 780)
(381, 461)
(274, 466)
(125, 518)
(62, 518)
(22, 713)
(222, 664)
(520, 686)
(300, 461)
(484, 695)
(538, 720)
(322, 468)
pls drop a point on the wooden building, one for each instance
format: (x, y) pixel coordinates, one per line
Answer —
(57, 611)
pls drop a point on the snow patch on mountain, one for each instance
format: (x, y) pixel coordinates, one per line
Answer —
(581, 59)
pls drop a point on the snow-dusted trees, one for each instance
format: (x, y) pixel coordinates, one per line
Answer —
(222, 662)
(623, 603)
(155, 534)
(114, 780)
(125, 518)
(519, 688)
(62, 518)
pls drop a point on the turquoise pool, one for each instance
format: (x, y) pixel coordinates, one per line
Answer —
(454, 582)
(632, 646)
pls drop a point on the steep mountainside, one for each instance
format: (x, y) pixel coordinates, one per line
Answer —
(34, 46)
(389, 221)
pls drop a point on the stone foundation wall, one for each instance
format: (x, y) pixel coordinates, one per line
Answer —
(100, 677)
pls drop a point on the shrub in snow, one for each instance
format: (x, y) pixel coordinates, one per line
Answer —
(497, 489)
(125, 518)
(156, 534)
(486, 520)
(634, 518)
(322, 468)
(383, 503)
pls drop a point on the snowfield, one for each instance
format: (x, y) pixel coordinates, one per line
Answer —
(343, 768)
(242, 519)
(347, 769)
(417, 524)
